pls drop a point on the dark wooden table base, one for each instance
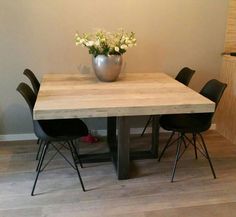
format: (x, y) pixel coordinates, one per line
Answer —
(120, 153)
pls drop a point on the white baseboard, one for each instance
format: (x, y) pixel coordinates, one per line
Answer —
(17, 137)
(31, 136)
(133, 131)
(136, 131)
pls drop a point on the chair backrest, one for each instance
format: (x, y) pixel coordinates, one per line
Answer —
(213, 90)
(185, 75)
(30, 97)
(28, 94)
(34, 81)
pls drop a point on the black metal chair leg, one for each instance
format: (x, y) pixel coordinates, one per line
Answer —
(76, 154)
(43, 144)
(80, 179)
(176, 157)
(40, 165)
(208, 156)
(39, 142)
(148, 122)
(195, 145)
(166, 146)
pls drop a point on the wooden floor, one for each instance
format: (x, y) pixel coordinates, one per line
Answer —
(149, 193)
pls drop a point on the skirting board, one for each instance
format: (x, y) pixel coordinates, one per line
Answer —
(31, 136)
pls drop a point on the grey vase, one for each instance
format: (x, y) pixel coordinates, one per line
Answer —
(107, 68)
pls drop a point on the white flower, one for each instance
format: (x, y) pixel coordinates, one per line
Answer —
(82, 41)
(89, 43)
(117, 49)
(97, 43)
(124, 46)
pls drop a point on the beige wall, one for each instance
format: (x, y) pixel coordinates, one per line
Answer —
(39, 34)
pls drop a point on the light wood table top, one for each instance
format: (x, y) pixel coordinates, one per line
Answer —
(80, 96)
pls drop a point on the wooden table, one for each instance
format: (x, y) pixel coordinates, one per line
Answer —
(83, 96)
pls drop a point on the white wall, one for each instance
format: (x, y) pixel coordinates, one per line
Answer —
(39, 34)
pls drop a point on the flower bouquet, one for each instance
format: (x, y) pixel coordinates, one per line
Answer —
(106, 49)
(106, 43)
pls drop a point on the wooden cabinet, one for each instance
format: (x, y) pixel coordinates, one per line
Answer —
(226, 112)
(230, 36)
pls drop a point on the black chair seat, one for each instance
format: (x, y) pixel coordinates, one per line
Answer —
(62, 129)
(187, 123)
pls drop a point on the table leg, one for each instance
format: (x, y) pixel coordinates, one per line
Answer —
(155, 135)
(120, 150)
(123, 157)
(111, 132)
(120, 153)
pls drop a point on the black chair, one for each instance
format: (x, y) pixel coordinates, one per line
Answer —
(193, 124)
(34, 81)
(184, 77)
(50, 132)
(36, 85)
